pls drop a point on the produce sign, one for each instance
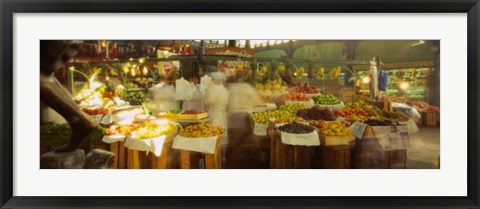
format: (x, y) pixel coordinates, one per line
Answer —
(241, 52)
(294, 96)
(352, 114)
(304, 88)
(335, 128)
(201, 130)
(293, 108)
(328, 99)
(395, 116)
(279, 115)
(296, 128)
(123, 130)
(152, 129)
(315, 113)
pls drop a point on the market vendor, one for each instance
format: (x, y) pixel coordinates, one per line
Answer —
(196, 101)
(216, 101)
(243, 99)
(164, 96)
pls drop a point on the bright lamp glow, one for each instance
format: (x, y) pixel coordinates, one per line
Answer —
(366, 79)
(404, 85)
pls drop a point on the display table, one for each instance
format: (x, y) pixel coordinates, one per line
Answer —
(213, 159)
(284, 156)
(336, 151)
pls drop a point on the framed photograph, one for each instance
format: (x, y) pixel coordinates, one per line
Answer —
(196, 104)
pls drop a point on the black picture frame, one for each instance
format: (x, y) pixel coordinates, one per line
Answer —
(10, 7)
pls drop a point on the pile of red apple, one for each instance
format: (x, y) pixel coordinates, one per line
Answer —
(304, 88)
(352, 114)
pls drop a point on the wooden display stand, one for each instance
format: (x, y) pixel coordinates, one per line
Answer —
(139, 159)
(368, 153)
(284, 156)
(336, 151)
(212, 161)
(260, 148)
(430, 118)
(120, 152)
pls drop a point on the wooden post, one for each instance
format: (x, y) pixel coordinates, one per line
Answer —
(184, 159)
(133, 160)
(122, 155)
(114, 149)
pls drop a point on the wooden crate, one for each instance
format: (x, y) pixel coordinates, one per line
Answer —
(192, 116)
(260, 148)
(336, 157)
(212, 161)
(430, 118)
(120, 152)
(284, 156)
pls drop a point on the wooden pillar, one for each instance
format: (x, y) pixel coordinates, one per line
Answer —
(350, 48)
(434, 95)
(232, 43)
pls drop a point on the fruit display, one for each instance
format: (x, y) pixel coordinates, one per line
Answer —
(152, 129)
(328, 99)
(335, 128)
(352, 114)
(135, 97)
(129, 85)
(317, 123)
(304, 88)
(270, 87)
(359, 104)
(422, 106)
(121, 130)
(293, 108)
(296, 128)
(201, 130)
(99, 111)
(279, 115)
(192, 111)
(377, 122)
(295, 96)
(395, 116)
(315, 113)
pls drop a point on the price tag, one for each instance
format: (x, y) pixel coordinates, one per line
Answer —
(357, 129)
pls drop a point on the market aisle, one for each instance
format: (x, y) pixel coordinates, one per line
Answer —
(425, 148)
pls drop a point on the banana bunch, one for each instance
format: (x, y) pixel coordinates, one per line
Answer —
(240, 66)
(263, 69)
(300, 71)
(320, 72)
(335, 72)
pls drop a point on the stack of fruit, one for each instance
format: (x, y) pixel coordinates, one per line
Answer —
(296, 128)
(135, 97)
(335, 128)
(280, 117)
(123, 130)
(201, 130)
(359, 104)
(422, 106)
(352, 114)
(395, 116)
(304, 88)
(315, 113)
(317, 123)
(328, 99)
(294, 96)
(152, 129)
(293, 108)
(270, 87)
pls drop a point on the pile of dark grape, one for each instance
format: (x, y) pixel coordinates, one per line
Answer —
(296, 128)
(375, 122)
(315, 113)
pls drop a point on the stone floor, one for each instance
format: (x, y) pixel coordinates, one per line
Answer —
(424, 149)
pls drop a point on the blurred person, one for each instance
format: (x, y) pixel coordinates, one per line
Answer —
(196, 102)
(243, 98)
(216, 101)
(164, 96)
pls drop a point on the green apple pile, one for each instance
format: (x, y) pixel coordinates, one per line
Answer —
(328, 99)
